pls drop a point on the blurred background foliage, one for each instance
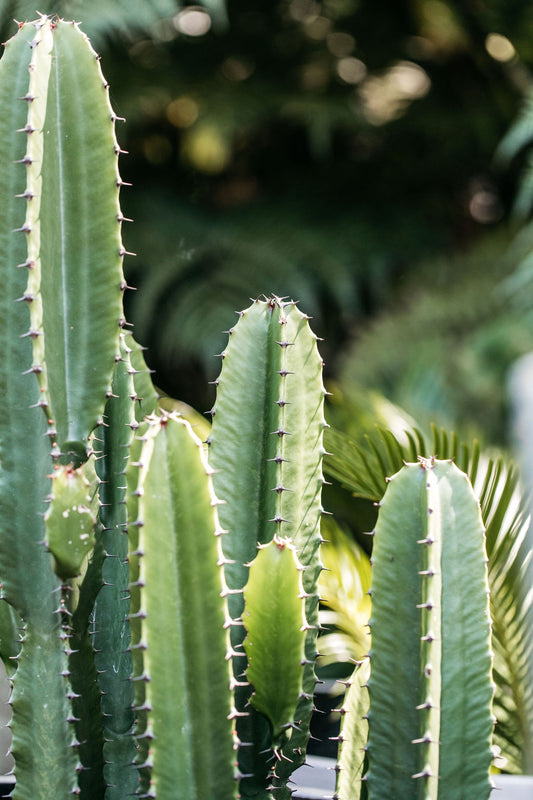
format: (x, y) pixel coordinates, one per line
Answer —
(340, 152)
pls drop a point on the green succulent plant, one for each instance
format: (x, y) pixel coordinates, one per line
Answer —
(160, 601)
(122, 557)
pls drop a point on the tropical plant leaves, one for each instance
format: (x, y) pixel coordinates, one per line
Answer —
(519, 136)
(344, 586)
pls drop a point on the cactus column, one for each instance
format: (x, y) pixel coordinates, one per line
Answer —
(266, 451)
(61, 259)
(430, 689)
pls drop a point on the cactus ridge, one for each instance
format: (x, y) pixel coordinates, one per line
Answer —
(111, 636)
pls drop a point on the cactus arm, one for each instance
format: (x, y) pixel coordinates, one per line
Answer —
(303, 392)
(274, 618)
(24, 451)
(183, 612)
(352, 762)
(112, 634)
(241, 451)
(77, 245)
(430, 737)
(70, 521)
(465, 721)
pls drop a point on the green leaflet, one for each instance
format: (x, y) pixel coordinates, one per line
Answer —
(274, 618)
(184, 643)
(429, 576)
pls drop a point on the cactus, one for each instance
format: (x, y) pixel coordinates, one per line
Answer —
(122, 589)
(430, 689)
(142, 569)
(266, 449)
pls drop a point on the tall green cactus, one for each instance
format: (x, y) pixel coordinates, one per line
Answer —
(266, 450)
(430, 691)
(152, 592)
(116, 570)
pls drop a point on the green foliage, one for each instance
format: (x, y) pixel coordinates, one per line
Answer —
(344, 594)
(516, 145)
(443, 350)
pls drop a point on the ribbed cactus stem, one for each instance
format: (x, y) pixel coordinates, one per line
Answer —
(351, 767)
(75, 252)
(45, 760)
(182, 615)
(266, 451)
(111, 637)
(430, 687)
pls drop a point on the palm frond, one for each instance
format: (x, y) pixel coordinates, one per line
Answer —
(519, 135)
